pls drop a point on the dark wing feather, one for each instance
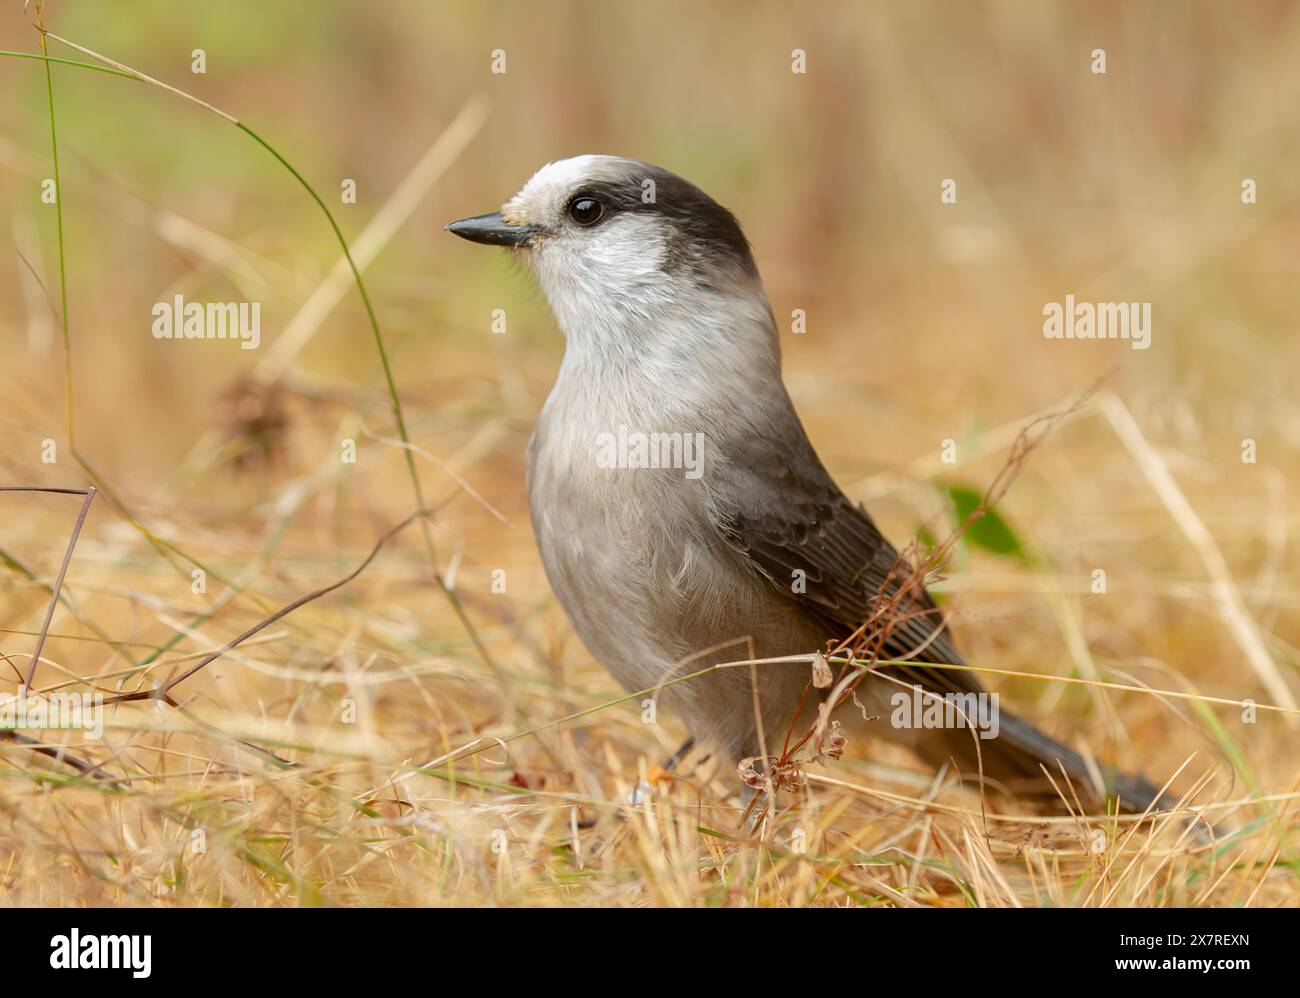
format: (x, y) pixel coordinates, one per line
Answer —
(778, 507)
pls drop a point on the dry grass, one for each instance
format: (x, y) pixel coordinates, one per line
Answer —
(371, 748)
(458, 784)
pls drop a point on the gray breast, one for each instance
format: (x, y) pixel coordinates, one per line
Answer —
(652, 588)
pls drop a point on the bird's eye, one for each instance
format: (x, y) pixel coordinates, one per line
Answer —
(586, 211)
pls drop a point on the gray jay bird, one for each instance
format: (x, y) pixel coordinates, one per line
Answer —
(684, 518)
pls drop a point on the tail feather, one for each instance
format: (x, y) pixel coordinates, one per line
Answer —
(1018, 756)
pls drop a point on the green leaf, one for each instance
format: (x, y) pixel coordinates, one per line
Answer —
(990, 532)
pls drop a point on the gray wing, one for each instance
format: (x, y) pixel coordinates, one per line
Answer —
(777, 506)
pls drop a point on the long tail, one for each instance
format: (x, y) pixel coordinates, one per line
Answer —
(1017, 757)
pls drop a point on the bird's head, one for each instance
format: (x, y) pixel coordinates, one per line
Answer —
(618, 244)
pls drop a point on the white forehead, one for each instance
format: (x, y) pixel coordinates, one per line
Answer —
(547, 189)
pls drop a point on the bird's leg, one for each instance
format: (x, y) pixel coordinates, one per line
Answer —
(679, 755)
(657, 774)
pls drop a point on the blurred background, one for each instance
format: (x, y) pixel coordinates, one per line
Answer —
(924, 324)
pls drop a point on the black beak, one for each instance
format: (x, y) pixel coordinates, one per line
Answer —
(492, 230)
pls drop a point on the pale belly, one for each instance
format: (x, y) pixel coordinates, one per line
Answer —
(655, 594)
